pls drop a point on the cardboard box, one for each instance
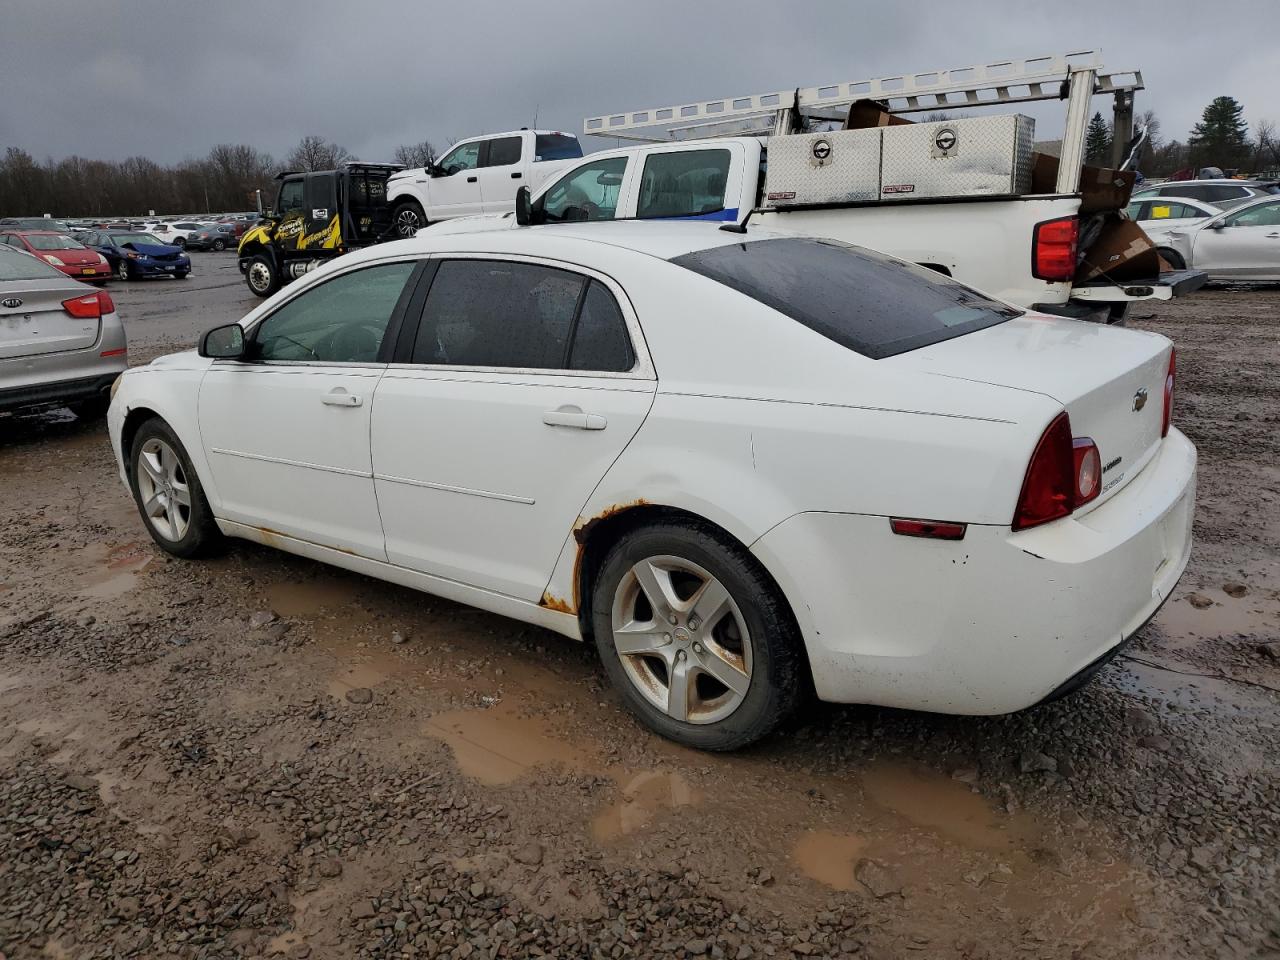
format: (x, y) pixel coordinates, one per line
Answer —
(1123, 251)
(1101, 188)
(864, 114)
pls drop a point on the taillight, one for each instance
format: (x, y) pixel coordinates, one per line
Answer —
(1168, 392)
(1048, 490)
(1053, 249)
(89, 307)
(1087, 464)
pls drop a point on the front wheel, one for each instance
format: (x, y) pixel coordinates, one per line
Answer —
(183, 275)
(1172, 257)
(696, 636)
(168, 492)
(123, 271)
(408, 218)
(262, 276)
(219, 245)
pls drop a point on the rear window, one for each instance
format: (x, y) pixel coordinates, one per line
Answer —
(556, 146)
(23, 266)
(867, 302)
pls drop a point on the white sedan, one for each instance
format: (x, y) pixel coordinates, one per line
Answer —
(1159, 215)
(746, 465)
(1241, 244)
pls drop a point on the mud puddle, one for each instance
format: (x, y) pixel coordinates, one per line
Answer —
(497, 746)
(110, 571)
(644, 798)
(308, 599)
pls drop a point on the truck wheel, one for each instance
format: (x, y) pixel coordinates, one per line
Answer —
(262, 276)
(408, 218)
(1172, 258)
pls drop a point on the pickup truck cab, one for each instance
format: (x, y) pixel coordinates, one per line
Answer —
(477, 176)
(988, 243)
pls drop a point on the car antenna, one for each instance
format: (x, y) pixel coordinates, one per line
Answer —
(738, 227)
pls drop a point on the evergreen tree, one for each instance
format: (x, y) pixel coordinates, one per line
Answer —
(1097, 145)
(1220, 139)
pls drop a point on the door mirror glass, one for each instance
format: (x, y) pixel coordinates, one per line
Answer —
(223, 343)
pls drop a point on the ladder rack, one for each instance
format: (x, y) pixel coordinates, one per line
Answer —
(999, 82)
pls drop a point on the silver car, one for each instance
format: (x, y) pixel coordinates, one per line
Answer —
(1221, 193)
(61, 341)
(1239, 244)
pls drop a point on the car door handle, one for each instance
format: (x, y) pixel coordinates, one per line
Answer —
(516, 175)
(472, 179)
(338, 397)
(571, 416)
(1273, 236)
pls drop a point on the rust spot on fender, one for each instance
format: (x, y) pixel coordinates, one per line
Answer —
(582, 529)
(556, 603)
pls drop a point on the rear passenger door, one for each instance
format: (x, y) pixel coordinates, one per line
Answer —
(684, 184)
(521, 384)
(501, 174)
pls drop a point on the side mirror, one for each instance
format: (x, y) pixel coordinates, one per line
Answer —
(223, 343)
(1220, 225)
(524, 207)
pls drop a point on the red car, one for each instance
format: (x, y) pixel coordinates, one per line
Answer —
(58, 250)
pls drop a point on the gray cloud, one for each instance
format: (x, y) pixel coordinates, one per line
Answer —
(168, 78)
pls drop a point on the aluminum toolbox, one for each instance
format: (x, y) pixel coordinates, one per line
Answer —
(971, 157)
(841, 166)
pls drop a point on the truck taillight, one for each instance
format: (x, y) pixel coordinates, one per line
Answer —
(1169, 379)
(90, 307)
(1053, 249)
(1064, 473)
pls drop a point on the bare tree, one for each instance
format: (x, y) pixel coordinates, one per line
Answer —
(416, 154)
(316, 153)
(937, 116)
(1266, 148)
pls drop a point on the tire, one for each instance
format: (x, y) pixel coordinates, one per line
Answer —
(1173, 258)
(408, 218)
(183, 275)
(161, 476)
(752, 639)
(122, 270)
(219, 245)
(180, 242)
(95, 408)
(262, 276)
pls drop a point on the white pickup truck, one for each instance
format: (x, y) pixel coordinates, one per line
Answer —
(477, 176)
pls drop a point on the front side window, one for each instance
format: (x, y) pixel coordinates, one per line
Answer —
(589, 192)
(463, 157)
(864, 301)
(342, 320)
(495, 313)
(291, 197)
(1263, 215)
(683, 184)
(503, 152)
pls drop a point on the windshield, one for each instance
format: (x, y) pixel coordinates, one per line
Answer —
(865, 301)
(49, 241)
(556, 146)
(120, 239)
(23, 266)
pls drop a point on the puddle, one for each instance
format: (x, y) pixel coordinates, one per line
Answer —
(829, 857)
(117, 569)
(644, 799)
(353, 676)
(309, 598)
(1228, 616)
(947, 807)
(497, 746)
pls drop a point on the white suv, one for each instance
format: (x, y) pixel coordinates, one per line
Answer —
(477, 176)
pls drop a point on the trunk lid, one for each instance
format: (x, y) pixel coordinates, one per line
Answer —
(1111, 381)
(38, 324)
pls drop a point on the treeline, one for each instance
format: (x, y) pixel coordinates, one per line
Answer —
(224, 181)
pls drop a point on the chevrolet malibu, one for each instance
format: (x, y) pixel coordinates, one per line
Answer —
(747, 466)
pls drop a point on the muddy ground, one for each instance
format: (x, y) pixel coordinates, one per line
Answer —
(258, 755)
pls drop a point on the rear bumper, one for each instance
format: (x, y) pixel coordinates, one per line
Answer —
(996, 622)
(58, 391)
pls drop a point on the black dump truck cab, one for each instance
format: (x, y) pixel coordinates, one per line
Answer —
(317, 216)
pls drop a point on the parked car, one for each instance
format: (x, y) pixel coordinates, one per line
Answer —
(1159, 215)
(33, 223)
(133, 254)
(177, 233)
(478, 175)
(1242, 243)
(740, 462)
(58, 250)
(217, 236)
(60, 342)
(1223, 193)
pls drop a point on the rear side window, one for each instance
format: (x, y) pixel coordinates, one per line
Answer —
(1218, 192)
(556, 146)
(683, 184)
(495, 313)
(503, 152)
(864, 301)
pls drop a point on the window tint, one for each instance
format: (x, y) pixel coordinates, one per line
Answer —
(1263, 215)
(556, 146)
(589, 192)
(464, 157)
(342, 320)
(291, 197)
(493, 313)
(503, 152)
(683, 184)
(600, 339)
(864, 301)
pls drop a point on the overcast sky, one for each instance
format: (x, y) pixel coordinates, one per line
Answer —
(170, 78)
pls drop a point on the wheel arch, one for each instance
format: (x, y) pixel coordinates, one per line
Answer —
(175, 404)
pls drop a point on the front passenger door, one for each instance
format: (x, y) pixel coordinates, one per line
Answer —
(1247, 246)
(286, 431)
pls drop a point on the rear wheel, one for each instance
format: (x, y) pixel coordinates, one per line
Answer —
(219, 245)
(168, 492)
(696, 637)
(1172, 257)
(262, 276)
(180, 242)
(408, 218)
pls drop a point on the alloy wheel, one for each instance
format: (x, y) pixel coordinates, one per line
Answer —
(681, 639)
(408, 222)
(122, 269)
(163, 490)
